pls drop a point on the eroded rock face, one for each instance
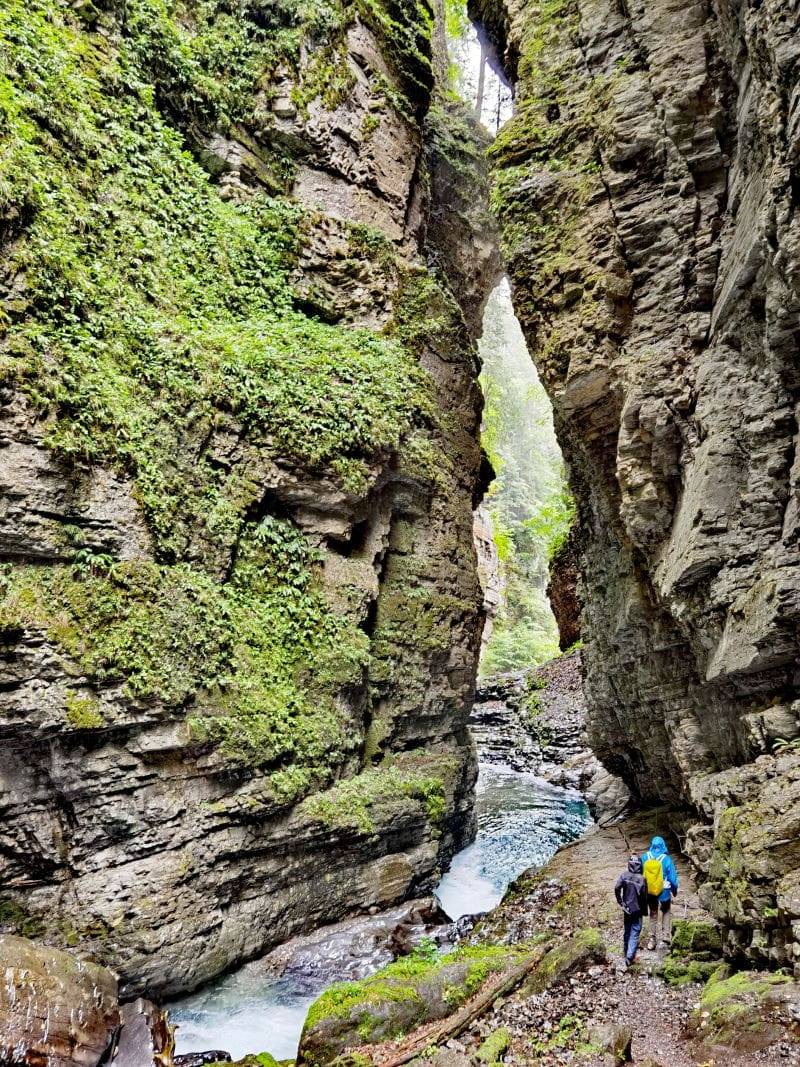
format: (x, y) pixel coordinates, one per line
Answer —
(180, 789)
(647, 190)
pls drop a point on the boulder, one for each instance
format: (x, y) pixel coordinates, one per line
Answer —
(54, 1008)
(61, 1011)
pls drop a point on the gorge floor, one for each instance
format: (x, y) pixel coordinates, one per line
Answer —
(522, 820)
(592, 1006)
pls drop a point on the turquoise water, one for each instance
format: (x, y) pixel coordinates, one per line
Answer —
(522, 821)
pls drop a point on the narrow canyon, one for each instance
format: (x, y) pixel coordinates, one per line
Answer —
(332, 334)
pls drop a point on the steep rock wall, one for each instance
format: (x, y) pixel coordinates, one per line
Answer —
(647, 188)
(240, 613)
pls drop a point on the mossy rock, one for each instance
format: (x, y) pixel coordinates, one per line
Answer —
(495, 1045)
(260, 1059)
(744, 1010)
(694, 953)
(700, 940)
(678, 972)
(583, 947)
(398, 999)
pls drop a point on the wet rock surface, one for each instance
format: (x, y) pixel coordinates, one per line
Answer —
(646, 188)
(536, 721)
(54, 1008)
(58, 1010)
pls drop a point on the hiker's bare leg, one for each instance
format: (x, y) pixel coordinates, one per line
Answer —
(653, 924)
(666, 923)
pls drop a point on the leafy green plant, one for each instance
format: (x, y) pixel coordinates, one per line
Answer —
(781, 744)
(426, 950)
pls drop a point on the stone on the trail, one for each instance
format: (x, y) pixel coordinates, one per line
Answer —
(494, 1046)
(746, 1011)
(694, 954)
(55, 1009)
(584, 947)
(700, 940)
(612, 1038)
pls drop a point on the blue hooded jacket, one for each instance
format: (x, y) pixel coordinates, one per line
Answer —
(658, 851)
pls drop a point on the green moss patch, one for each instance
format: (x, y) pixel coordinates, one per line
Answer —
(737, 1011)
(354, 803)
(697, 939)
(409, 992)
(152, 311)
(493, 1047)
(582, 947)
(256, 662)
(152, 327)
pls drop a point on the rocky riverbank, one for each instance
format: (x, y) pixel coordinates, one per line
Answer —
(535, 720)
(538, 981)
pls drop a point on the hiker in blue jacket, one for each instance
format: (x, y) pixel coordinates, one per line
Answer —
(661, 877)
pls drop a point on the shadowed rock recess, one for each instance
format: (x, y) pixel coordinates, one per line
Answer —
(244, 257)
(647, 189)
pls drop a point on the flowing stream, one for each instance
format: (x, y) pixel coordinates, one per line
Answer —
(522, 820)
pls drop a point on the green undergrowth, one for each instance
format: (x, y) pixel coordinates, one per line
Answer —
(256, 662)
(354, 802)
(152, 326)
(724, 996)
(148, 312)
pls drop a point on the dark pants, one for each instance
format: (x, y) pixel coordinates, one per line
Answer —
(633, 931)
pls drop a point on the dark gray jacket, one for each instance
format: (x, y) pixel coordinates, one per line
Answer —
(631, 891)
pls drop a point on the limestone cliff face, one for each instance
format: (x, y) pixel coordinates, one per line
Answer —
(647, 188)
(240, 613)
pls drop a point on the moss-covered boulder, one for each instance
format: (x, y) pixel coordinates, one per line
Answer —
(395, 1001)
(748, 1010)
(582, 947)
(695, 953)
(700, 940)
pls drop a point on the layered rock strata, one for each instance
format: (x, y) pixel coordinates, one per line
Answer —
(240, 613)
(536, 721)
(647, 187)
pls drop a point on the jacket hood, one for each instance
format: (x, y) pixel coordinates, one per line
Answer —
(658, 846)
(635, 865)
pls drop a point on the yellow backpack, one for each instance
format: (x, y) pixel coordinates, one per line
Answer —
(653, 872)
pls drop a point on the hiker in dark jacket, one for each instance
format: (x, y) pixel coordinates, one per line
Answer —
(631, 894)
